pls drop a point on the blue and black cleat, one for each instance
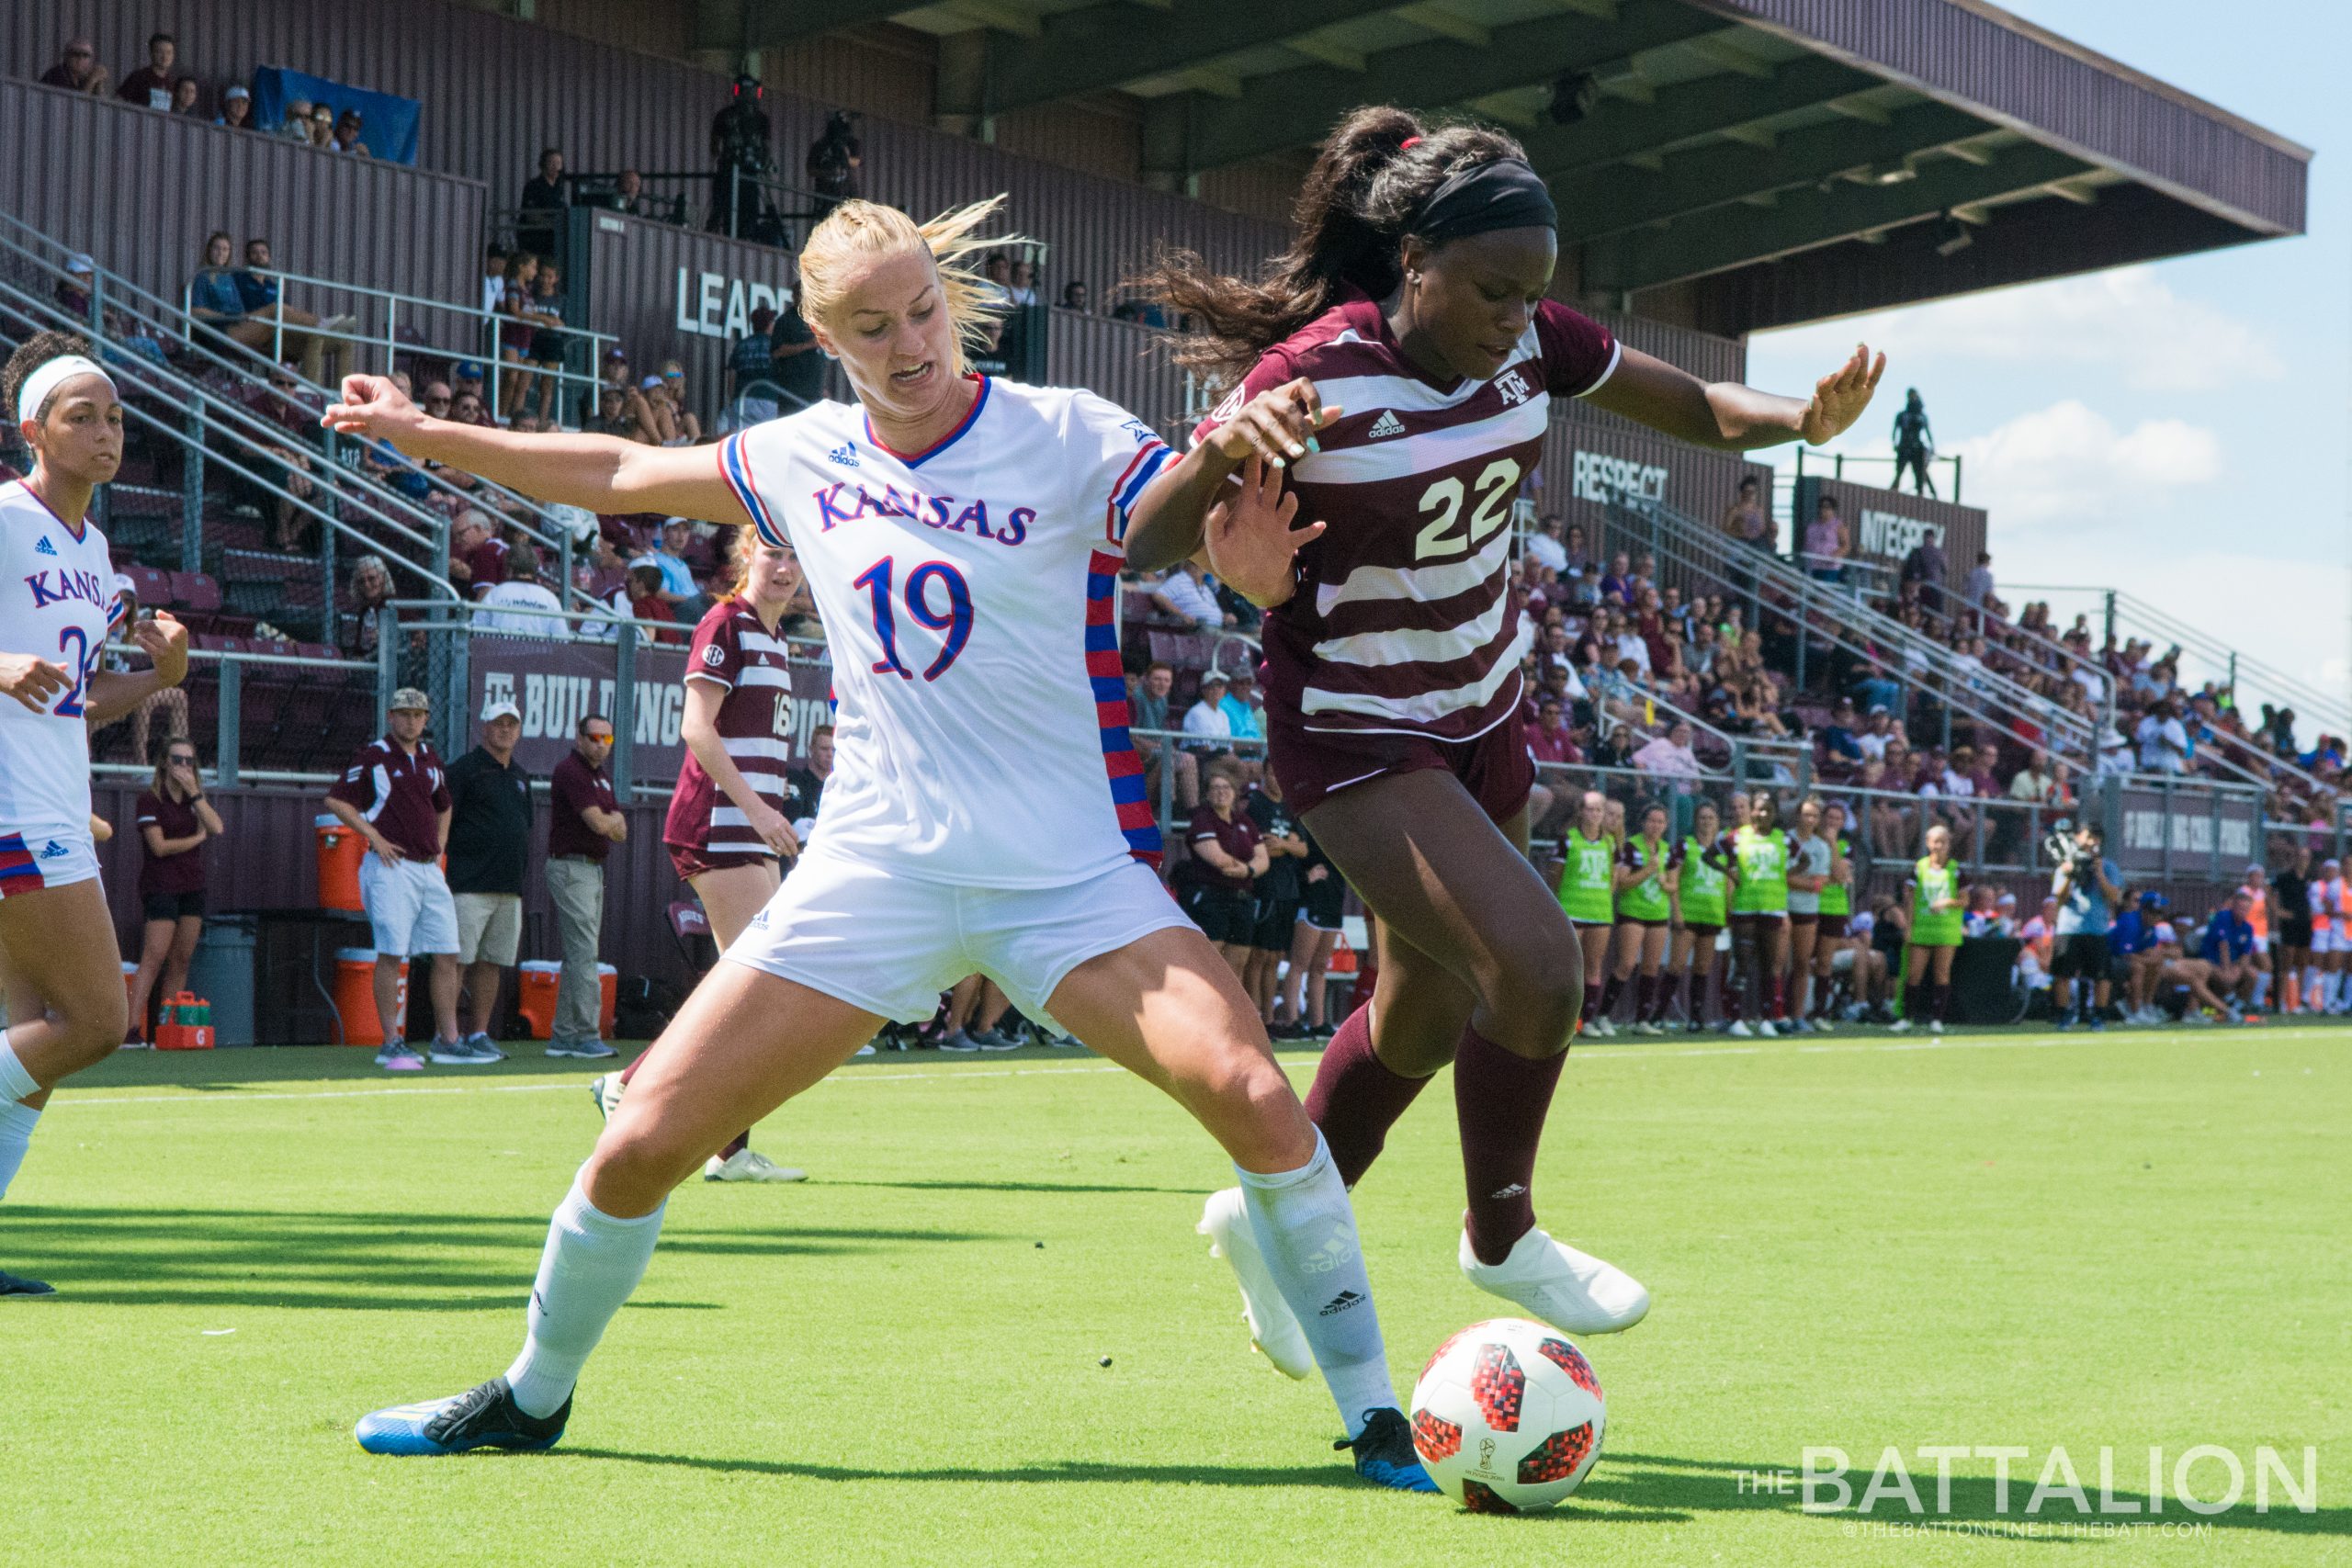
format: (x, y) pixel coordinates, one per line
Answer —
(481, 1417)
(1385, 1455)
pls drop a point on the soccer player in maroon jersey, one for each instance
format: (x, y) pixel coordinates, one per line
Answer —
(1398, 360)
(725, 826)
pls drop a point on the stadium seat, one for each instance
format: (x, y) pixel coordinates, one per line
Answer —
(194, 591)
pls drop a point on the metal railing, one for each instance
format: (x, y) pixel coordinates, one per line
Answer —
(26, 251)
(228, 728)
(1837, 462)
(488, 334)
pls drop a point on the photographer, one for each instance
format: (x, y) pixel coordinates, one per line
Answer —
(2088, 888)
(738, 141)
(834, 162)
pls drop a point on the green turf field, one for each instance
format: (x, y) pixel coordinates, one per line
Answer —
(2132, 1240)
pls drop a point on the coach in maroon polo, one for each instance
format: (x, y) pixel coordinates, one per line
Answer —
(584, 822)
(395, 795)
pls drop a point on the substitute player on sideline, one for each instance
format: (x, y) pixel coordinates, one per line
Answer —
(1408, 335)
(58, 955)
(961, 538)
(726, 827)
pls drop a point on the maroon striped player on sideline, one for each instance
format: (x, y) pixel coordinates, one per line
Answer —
(1401, 358)
(726, 824)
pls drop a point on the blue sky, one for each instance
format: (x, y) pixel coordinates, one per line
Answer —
(2178, 430)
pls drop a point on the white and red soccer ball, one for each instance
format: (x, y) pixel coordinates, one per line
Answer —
(1508, 1416)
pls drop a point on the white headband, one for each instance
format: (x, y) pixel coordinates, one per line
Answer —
(51, 375)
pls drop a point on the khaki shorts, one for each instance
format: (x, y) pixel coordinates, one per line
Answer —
(490, 928)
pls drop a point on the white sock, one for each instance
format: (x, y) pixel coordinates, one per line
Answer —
(1307, 1231)
(2310, 988)
(16, 1130)
(2261, 990)
(15, 1082)
(591, 1263)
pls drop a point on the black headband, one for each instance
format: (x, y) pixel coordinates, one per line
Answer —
(1502, 192)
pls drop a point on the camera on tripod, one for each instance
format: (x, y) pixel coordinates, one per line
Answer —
(2066, 849)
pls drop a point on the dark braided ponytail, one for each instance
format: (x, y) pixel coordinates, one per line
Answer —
(1352, 215)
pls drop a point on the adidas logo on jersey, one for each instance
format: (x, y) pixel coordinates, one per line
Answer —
(44, 547)
(1387, 424)
(845, 454)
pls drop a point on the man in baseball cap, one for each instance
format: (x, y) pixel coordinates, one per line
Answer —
(490, 838)
(396, 798)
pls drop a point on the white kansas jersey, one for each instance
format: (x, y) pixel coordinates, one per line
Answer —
(56, 603)
(970, 599)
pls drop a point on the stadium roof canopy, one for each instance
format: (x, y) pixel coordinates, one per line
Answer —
(1730, 164)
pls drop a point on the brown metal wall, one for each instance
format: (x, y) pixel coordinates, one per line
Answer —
(1958, 49)
(1121, 361)
(267, 860)
(882, 70)
(336, 217)
(1696, 481)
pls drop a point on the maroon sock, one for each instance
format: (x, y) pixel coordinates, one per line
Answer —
(1500, 1099)
(1611, 996)
(1592, 1009)
(1779, 987)
(1356, 1098)
(1939, 1000)
(1911, 999)
(736, 1146)
(630, 1071)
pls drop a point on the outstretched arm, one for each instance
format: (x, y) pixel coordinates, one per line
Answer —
(602, 473)
(1731, 417)
(1277, 427)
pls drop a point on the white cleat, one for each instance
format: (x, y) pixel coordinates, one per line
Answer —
(1273, 1328)
(749, 1165)
(1573, 1291)
(605, 1090)
(1900, 1026)
(1739, 1030)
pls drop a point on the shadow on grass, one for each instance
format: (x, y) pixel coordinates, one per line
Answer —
(226, 1071)
(350, 1261)
(1016, 1187)
(1659, 1485)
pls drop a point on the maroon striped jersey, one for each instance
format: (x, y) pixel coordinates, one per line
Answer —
(1404, 620)
(733, 651)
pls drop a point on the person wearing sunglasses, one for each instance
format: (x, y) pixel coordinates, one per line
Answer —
(176, 822)
(79, 71)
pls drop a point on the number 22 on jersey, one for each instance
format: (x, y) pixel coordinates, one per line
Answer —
(1496, 486)
(955, 624)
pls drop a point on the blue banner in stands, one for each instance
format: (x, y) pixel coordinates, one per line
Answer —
(386, 124)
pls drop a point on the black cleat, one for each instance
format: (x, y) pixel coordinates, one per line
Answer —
(18, 1285)
(483, 1417)
(1385, 1453)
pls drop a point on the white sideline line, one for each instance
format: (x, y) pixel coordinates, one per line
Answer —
(1289, 1063)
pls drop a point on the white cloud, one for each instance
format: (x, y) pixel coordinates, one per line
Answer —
(2067, 464)
(2128, 319)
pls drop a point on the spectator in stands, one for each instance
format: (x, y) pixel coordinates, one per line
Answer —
(797, 364)
(176, 822)
(550, 345)
(1548, 545)
(646, 603)
(151, 84)
(516, 327)
(489, 841)
(604, 571)
(749, 357)
(346, 134)
(804, 781)
(1206, 720)
(183, 96)
(2163, 739)
(78, 71)
(1927, 570)
(665, 397)
(584, 821)
(236, 108)
(396, 798)
(1669, 757)
(522, 590)
(1746, 519)
(1148, 710)
(540, 209)
(494, 277)
(250, 316)
(477, 554)
(1189, 593)
(371, 597)
(296, 126)
(1228, 855)
(1976, 588)
(1839, 744)
(1074, 296)
(1825, 542)
(684, 597)
(627, 194)
(321, 126)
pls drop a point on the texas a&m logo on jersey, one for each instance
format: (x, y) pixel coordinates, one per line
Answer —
(1513, 387)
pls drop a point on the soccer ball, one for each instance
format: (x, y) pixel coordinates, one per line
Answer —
(1508, 1416)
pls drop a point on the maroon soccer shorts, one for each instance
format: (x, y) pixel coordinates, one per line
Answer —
(1315, 764)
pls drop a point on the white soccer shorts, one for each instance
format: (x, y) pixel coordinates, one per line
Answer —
(33, 857)
(891, 943)
(409, 905)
